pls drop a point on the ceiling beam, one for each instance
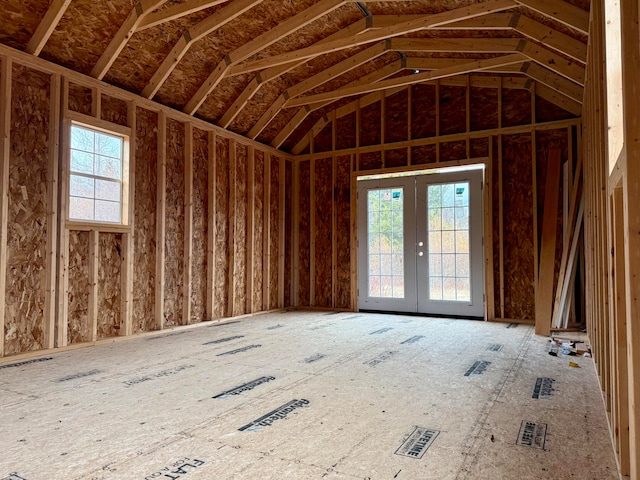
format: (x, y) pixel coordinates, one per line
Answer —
(269, 74)
(560, 11)
(539, 54)
(176, 11)
(472, 66)
(304, 112)
(189, 37)
(46, 26)
(553, 96)
(122, 36)
(280, 31)
(401, 28)
(526, 26)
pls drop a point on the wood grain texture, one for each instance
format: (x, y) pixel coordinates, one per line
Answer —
(222, 227)
(174, 221)
(27, 212)
(78, 324)
(304, 235)
(109, 285)
(144, 235)
(200, 236)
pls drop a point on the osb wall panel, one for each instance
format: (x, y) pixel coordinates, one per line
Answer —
(109, 284)
(288, 230)
(221, 281)
(547, 111)
(346, 131)
(423, 111)
(371, 160)
(174, 225)
(453, 109)
(479, 147)
(259, 232)
(343, 232)
(200, 216)
(240, 233)
(423, 154)
(323, 232)
(483, 108)
(274, 219)
(80, 99)
(545, 142)
(323, 142)
(495, 186)
(27, 217)
(114, 110)
(304, 225)
(453, 151)
(396, 117)
(144, 234)
(516, 107)
(518, 227)
(370, 125)
(397, 157)
(78, 325)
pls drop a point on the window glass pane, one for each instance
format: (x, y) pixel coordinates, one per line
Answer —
(448, 288)
(448, 195)
(108, 145)
(435, 288)
(106, 190)
(107, 211)
(81, 208)
(82, 139)
(80, 186)
(463, 288)
(448, 265)
(81, 162)
(109, 167)
(462, 195)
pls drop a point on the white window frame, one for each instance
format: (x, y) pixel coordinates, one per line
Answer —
(113, 130)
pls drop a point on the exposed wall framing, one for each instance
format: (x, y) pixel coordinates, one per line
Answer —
(69, 283)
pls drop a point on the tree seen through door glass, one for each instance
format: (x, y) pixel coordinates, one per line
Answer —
(386, 242)
(448, 237)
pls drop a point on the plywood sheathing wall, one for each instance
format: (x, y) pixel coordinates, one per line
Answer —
(24, 295)
(438, 127)
(93, 297)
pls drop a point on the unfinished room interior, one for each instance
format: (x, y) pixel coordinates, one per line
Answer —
(268, 239)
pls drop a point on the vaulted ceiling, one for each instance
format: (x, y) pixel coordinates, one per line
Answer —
(272, 69)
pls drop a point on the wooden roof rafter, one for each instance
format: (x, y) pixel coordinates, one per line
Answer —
(265, 76)
(423, 22)
(560, 11)
(320, 78)
(175, 12)
(192, 35)
(46, 26)
(471, 66)
(282, 30)
(122, 36)
(303, 112)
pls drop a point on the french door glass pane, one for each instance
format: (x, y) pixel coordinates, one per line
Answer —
(386, 242)
(448, 237)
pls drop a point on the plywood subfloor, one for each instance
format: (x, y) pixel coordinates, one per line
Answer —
(334, 396)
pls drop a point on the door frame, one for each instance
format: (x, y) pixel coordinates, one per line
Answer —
(487, 252)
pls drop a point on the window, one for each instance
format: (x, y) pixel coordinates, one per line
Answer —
(97, 170)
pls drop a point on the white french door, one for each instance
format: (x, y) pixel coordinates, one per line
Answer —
(420, 244)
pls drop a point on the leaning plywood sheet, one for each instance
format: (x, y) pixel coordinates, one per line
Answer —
(79, 326)
(200, 216)
(240, 237)
(222, 227)
(27, 219)
(144, 260)
(518, 227)
(259, 231)
(343, 232)
(109, 285)
(322, 234)
(273, 231)
(174, 246)
(304, 234)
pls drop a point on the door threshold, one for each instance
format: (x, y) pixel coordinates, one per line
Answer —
(420, 314)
